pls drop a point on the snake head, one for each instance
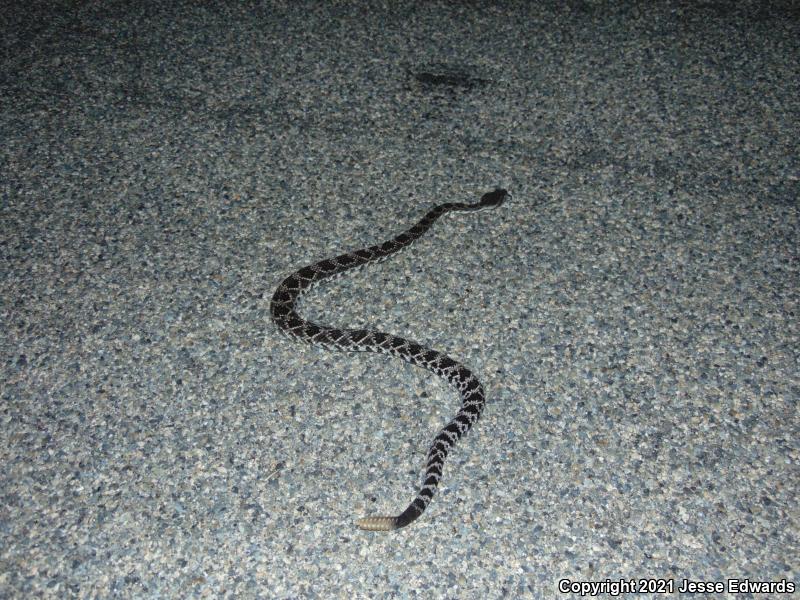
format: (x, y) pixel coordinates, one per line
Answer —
(495, 198)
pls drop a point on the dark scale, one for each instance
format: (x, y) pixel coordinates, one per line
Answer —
(282, 310)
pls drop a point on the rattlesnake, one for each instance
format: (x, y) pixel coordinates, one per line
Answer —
(284, 314)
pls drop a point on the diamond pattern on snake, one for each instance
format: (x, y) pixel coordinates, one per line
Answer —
(284, 314)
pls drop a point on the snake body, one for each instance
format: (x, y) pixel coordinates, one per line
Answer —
(284, 314)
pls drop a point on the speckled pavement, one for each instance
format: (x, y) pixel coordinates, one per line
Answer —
(632, 312)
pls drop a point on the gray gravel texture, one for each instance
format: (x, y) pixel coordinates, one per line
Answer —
(632, 312)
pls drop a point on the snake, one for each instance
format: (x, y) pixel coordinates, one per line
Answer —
(284, 314)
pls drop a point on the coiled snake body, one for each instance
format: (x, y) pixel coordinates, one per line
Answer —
(284, 313)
